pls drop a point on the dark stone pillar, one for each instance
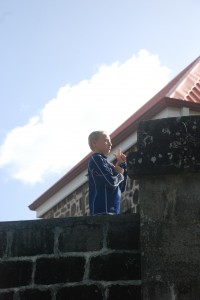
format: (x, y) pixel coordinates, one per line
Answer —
(167, 164)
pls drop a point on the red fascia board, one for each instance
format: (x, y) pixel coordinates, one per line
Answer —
(157, 99)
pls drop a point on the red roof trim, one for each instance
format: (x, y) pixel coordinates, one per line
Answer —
(157, 98)
(147, 111)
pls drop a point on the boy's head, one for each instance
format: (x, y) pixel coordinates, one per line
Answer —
(99, 141)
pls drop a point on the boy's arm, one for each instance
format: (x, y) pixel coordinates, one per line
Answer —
(102, 169)
(121, 162)
(123, 184)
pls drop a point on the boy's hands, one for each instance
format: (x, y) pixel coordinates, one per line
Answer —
(118, 169)
(120, 157)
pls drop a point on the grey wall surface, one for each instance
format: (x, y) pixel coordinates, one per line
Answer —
(167, 165)
(170, 237)
(84, 258)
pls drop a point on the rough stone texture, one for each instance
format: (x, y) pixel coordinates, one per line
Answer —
(188, 290)
(167, 165)
(15, 273)
(130, 198)
(161, 291)
(62, 269)
(170, 232)
(59, 270)
(77, 203)
(115, 266)
(174, 198)
(166, 147)
(80, 293)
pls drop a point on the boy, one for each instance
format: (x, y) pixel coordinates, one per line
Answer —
(106, 181)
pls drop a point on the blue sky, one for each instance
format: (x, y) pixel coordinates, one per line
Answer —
(70, 67)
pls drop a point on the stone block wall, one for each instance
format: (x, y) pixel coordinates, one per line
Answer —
(77, 203)
(167, 164)
(84, 258)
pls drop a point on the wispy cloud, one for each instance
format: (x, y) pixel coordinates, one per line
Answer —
(56, 138)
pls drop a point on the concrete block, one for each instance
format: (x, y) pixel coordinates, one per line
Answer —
(115, 266)
(173, 240)
(188, 290)
(170, 198)
(7, 296)
(125, 292)
(35, 294)
(81, 237)
(3, 239)
(158, 291)
(167, 164)
(84, 292)
(166, 290)
(15, 273)
(166, 146)
(59, 270)
(124, 236)
(32, 241)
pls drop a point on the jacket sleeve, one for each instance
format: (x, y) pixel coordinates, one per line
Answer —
(103, 170)
(124, 182)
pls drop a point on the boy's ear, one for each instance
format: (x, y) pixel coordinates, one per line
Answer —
(94, 143)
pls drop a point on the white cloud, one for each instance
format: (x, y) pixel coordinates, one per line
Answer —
(56, 139)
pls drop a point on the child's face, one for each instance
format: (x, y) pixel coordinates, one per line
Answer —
(102, 144)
